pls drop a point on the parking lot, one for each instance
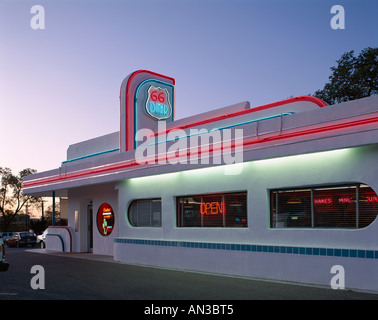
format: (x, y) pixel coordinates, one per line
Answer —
(68, 276)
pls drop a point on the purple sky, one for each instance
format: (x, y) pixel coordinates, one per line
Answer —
(60, 85)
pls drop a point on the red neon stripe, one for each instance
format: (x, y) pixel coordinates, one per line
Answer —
(247, 142)
(82, 173)
(315, 100)
(130, 126)
(69, 232)
(312, 131)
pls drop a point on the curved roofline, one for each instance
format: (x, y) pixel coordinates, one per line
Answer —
(320, 103)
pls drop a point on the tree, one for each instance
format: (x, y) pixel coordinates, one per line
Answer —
(352, 78)
(12, 200)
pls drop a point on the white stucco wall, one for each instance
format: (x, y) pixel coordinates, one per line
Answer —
(257, 178)
(79, 199)
(59, 238)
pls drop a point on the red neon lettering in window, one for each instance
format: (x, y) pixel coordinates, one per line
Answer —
(323, 201)
(345, 200)
(211, 207)
(372, 199)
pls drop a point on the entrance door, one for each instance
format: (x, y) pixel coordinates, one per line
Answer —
(90, 228)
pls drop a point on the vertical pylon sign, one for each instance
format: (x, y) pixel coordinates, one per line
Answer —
(146, 98)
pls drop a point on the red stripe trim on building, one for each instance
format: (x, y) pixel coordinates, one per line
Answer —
(315, 100)
(107, 169)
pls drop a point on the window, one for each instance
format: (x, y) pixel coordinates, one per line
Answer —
(350, 206)
(76, 221)
(145, 213)
(212, 210)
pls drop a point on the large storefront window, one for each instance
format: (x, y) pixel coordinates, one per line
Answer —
(213, 210)
(351, 206)
(145, 213)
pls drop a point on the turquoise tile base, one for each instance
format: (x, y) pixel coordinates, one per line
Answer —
(330, 252)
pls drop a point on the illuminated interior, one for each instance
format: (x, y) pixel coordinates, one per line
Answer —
(347, 206)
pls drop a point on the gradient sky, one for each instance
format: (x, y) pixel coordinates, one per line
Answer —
(60, 85)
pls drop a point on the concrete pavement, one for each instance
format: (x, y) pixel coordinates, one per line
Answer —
(84, 276)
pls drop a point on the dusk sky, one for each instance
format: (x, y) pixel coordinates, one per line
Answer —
(60, 85)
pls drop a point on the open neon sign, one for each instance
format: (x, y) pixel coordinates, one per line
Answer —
(213, 207)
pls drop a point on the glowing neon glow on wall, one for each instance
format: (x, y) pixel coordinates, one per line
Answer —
(302, 158)
(247, 143)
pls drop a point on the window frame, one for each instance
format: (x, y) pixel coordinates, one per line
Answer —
(273, 206)
(150, 200)
(179, 217)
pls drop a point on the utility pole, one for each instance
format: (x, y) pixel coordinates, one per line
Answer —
(53, 208)
(42, 217)
(27, 216)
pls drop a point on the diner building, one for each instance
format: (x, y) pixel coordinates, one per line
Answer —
(285, 191)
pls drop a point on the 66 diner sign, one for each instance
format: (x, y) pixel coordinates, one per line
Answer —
(158, 103)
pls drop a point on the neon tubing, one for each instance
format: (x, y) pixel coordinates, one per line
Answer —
(133, 163)
(225, 127)
(91, 155)
(315, 100)
(127, 98)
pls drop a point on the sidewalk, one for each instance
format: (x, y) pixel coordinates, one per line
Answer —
(79, 255)
(242, 288)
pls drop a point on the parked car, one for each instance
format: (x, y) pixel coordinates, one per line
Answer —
(41, 239)
(19, 239)
(3, 265)
(6, 235)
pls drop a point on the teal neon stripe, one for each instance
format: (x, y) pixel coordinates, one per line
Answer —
(225, 127)
(91, 155)
(59, 236)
